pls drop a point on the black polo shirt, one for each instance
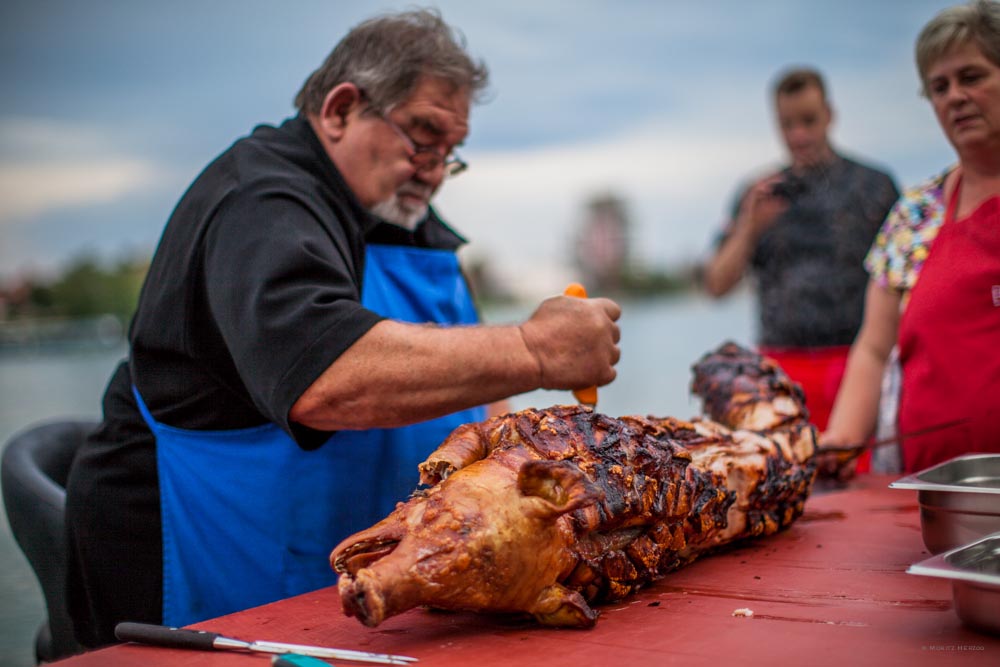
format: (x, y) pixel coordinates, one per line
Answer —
(808, 267)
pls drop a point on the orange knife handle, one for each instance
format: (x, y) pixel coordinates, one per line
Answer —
(588, 395)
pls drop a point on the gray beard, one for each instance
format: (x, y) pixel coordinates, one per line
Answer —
(392, 211)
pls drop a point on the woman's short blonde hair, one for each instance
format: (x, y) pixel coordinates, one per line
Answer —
(977, 21)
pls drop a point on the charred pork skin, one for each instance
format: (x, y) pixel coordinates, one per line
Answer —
(545, 512)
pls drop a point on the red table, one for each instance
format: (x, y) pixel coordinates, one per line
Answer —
(831, 590)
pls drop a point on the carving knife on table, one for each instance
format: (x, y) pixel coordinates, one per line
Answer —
(588, 395)
(167, 637)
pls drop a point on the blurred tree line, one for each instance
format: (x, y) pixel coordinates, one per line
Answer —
(604, 257)
(85, 288)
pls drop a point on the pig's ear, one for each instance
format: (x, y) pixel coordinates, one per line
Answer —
(558, 606)
(560, 486)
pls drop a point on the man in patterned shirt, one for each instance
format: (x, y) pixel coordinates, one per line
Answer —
(802, 233)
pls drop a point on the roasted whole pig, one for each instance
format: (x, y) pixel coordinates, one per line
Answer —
(546, 512)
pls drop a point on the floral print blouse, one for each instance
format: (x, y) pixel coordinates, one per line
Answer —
(904, 241)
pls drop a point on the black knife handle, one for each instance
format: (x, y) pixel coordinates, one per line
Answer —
(162, 635)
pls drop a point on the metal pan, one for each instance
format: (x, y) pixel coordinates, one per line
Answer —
(974, 571)
(959, 500)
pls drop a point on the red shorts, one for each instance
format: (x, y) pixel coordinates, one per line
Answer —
(819, 371)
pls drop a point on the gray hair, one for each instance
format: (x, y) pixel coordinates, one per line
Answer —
(386, 57)
(977, 21)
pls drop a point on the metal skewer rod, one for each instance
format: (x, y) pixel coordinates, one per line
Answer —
(855, 449)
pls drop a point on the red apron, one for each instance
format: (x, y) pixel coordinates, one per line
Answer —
(819, 372)
(949, 341)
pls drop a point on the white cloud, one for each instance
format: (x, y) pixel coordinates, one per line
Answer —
(28, 190)
(50, 164)
(48, 138)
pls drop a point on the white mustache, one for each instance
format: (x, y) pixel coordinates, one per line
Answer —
(416, 191)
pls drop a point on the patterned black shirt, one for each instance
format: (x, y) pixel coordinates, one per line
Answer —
(808, 267)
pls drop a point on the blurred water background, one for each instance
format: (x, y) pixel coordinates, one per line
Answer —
(661, 338)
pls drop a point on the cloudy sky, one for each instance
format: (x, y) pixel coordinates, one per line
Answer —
(111, 107)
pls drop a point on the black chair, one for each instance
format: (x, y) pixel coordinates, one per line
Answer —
(35, 466)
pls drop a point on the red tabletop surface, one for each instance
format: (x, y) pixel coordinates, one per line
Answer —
(830, 590)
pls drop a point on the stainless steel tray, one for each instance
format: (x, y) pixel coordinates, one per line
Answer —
(959, 500)
(974, 570)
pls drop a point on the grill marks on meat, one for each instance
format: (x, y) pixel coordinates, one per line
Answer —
(741, 389)
(548, 511)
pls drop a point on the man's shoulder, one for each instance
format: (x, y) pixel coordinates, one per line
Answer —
(283, 162)
(865, 167)
(264, 154)
(282, 152)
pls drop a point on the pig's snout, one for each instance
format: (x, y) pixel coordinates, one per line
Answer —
(361, 596)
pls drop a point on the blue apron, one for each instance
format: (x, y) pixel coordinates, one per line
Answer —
(248, 517)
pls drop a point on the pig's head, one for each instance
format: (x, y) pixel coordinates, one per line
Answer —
(494, 536)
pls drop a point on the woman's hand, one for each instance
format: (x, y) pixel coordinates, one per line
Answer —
(831, 464)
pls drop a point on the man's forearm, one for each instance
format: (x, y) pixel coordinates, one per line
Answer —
(402, 373)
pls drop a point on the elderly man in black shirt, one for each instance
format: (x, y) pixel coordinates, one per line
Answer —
(303, 339)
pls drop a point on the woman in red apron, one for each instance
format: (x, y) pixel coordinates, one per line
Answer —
(949, 340)
(935, 266)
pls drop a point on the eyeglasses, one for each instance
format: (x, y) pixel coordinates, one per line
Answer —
(426, 158)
